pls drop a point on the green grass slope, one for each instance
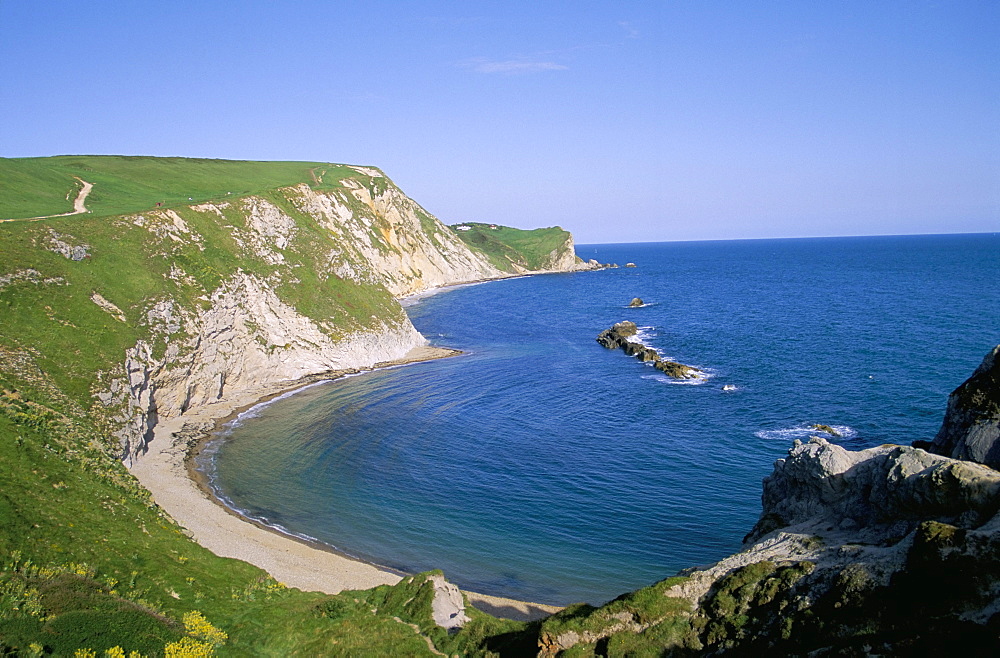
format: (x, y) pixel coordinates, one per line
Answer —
(87, 560)
(34, 187)
(509, 247)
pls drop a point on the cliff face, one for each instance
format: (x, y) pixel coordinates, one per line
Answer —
(971, 427)
(245, 339)
(246, 336)
(172, 308)
(387, 238)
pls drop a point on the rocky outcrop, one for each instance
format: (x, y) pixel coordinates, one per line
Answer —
(971, 427)
(880, 494)
(886, 551)
(635, 303)
(448, 604)
(619, 335)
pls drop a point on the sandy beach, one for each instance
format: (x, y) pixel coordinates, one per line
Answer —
(164, 471)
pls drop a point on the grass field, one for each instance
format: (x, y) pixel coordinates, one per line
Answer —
(34, 187)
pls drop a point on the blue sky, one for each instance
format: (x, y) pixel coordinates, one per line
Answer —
(620, 121)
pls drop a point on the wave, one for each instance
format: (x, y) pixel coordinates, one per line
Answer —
(803, 432)
(644, 336)
(702, 378)
(255, 410)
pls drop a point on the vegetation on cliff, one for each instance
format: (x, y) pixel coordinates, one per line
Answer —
(892, 551)
(511, 249)
(87, 560)
(123, 184)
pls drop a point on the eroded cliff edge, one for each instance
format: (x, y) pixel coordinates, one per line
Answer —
(891, 550)
(180, 305)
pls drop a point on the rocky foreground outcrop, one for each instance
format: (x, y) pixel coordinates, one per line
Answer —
(621, 334)
(891, 550)
(971, 427)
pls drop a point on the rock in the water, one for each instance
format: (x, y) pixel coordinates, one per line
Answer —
(635, 303)
(676, 370)
(826, 429)
(618, 336)
(629, 264)
(971, 427)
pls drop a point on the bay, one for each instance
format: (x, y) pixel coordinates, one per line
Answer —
(543, 467)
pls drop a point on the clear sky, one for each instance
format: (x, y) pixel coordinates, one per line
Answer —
(620, 121)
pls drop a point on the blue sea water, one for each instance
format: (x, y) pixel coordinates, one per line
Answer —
(541, 466)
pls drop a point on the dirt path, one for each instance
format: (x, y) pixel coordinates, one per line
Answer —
(78, 205)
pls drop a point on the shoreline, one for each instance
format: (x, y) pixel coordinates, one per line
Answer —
(167, 472)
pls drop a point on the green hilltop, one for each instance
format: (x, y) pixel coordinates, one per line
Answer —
(33, 187)
(510, 247)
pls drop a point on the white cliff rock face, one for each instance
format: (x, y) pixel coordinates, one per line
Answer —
(249, 335)
(242, 336)
(835, 507)
(246, 338)
(389, 241)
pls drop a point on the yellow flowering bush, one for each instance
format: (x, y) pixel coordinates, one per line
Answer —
(200, 628)
(188, 647)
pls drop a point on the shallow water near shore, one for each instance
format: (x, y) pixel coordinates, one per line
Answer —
(543, 467)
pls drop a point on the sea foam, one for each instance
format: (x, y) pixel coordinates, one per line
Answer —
(803, 432)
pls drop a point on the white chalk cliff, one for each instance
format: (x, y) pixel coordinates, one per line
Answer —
(245, 333)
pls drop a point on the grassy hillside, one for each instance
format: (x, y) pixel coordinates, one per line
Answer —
(87, 560)
(34, 187)
(506, 246)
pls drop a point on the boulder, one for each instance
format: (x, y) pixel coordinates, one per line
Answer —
(676, 370)
(971, 427)
(448, 605)
(617, 336)
(635, 303)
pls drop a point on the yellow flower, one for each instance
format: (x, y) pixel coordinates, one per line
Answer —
(199, 627)
(188, 647)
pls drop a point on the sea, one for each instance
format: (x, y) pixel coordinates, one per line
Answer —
(541, 466)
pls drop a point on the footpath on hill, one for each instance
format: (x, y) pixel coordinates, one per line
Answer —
(79, 205)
